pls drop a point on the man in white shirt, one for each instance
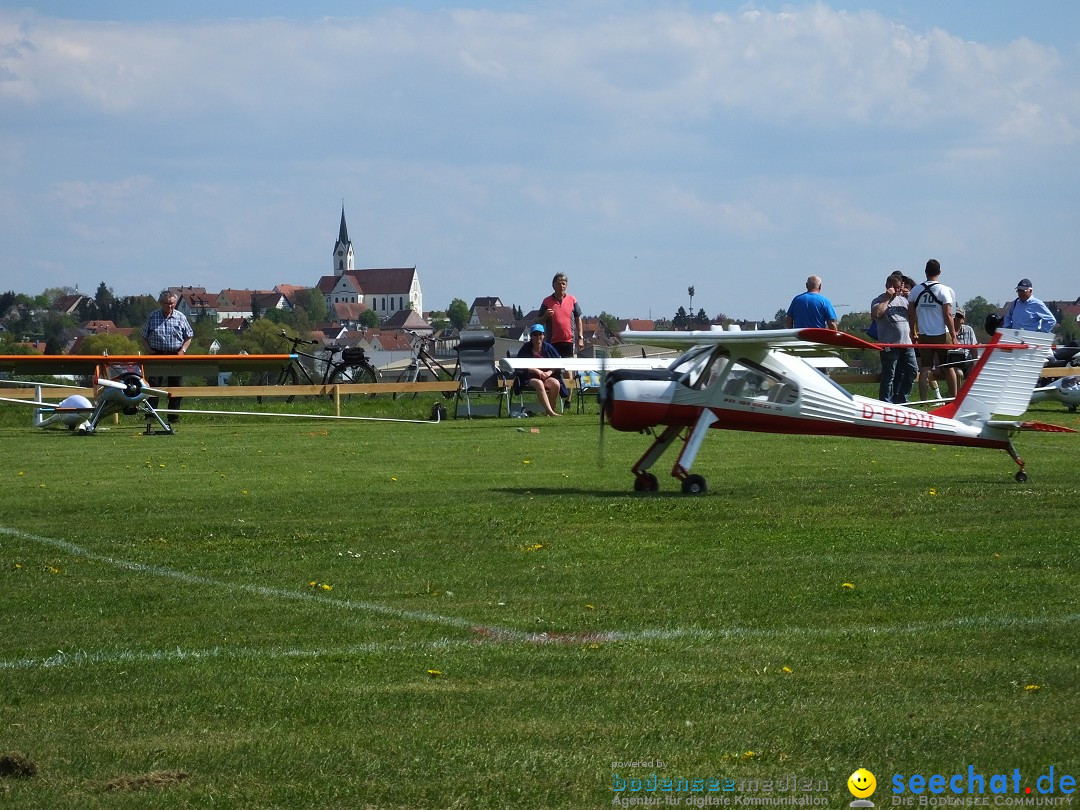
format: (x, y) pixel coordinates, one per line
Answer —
(930, 312)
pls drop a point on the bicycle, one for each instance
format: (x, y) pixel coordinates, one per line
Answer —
(352, 367)
(424, 362)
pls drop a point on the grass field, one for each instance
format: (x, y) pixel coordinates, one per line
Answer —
(471, 614)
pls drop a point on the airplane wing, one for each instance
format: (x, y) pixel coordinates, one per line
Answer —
(766, 338)
(511, 364)
(51, 406)
(162, 365)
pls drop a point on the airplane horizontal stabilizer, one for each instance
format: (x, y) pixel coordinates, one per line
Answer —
(1044, 427)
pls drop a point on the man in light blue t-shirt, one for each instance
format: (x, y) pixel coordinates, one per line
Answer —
(811, 309)
(1028, 312)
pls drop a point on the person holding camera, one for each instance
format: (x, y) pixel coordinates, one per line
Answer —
(898, 365)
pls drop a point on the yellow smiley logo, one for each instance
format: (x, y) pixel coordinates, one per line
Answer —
(862, 783)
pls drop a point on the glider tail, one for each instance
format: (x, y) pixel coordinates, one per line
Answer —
(39, 413)
(1003, 379)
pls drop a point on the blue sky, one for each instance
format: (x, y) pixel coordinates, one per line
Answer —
(640, 147)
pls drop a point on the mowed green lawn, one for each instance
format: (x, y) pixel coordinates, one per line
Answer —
(472, 614)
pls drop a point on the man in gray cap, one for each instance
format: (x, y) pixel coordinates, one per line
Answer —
(1028, 312)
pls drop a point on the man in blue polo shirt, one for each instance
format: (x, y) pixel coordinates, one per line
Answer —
(811, 309)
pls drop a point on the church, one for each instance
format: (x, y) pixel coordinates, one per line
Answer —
(386, 291)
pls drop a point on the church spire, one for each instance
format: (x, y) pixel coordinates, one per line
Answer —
(343, 249)
(343, 231)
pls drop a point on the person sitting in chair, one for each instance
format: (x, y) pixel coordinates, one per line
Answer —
(547, 382)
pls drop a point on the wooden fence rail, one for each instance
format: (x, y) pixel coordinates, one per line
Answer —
(338, 391)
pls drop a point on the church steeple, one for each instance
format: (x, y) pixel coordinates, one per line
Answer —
(343, 249)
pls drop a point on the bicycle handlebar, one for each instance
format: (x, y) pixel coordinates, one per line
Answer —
(295, 341)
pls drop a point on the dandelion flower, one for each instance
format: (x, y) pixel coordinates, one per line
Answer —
(434, 673)
(749, 755)
(326, 587)
(933, 491)
(848, 586)
(1032, 687)
(787, 670)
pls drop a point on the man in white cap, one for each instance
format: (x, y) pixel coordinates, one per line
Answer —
(1028, 312)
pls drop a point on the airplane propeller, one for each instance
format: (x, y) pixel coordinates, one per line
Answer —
(601, 399)
(132, 386)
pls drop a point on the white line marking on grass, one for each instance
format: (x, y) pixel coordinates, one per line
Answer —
(80, 657)
(259, 590)
(480, 633)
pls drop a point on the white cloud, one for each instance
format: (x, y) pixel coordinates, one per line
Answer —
(479, 139)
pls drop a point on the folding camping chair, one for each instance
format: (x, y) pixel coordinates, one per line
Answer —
(480, 378)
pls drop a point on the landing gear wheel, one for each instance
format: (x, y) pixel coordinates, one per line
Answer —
(694, 485)
(646, 482)
(1021, 477)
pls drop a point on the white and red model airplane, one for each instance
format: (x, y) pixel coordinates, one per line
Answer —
(119, 383)
(752, 381)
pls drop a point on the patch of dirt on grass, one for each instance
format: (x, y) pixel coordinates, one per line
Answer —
(145, 781)
(15, 764)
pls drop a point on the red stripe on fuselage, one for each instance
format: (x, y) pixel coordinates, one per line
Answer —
(879, 422)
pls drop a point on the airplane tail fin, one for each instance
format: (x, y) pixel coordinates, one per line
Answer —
(39, 418)
(1003, 379)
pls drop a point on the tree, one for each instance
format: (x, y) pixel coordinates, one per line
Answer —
(369, 318)
(438, 320)
(610, 321)
(110, 343)
(701, 320)
(856, 323)
(264, 337)
(313, 303)
(458, 313)
(52, 294)
(132, 310)
(975, 312)
(680, 321)
(105, 302)
(779, 320)
(1068, 328)
(10, 344)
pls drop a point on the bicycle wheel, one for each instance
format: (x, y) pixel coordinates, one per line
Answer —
(441, 373)
(409, 374)
(287, 376)
(346, 375)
